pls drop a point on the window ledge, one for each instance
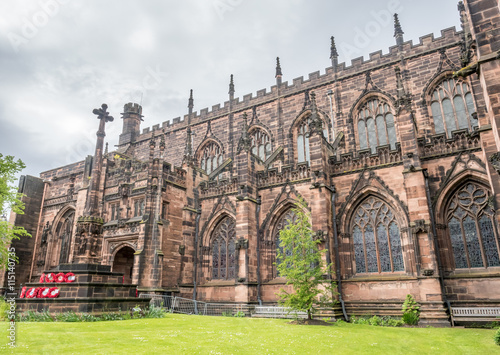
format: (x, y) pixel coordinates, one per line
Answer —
(276, 281)
(219, 283)
(378, 277)
(474, 274)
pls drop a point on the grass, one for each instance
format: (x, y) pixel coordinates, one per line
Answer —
(181, 334)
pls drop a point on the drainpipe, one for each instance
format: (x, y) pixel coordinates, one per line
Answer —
(337, 256)
(195, 271)
(436, 246)
(258, 252)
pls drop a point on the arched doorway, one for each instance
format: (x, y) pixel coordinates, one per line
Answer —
(124, 263)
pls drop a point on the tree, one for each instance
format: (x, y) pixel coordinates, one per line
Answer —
(10, 200)
(300, 262)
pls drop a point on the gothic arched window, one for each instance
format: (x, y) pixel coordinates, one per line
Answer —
(224, 250)
(261, 144)
(452, 107)
(289, 217)
(211, 157)
(64, 232)
(376, 238)
(303, 139)
(470, 218)
(376, 125)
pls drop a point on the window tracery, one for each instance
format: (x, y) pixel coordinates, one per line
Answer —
(471, 228)
(303, 139)
(224, 250)
(211, 157)
(376, 125)
(261, 144)
(376, 238)
(452, 106)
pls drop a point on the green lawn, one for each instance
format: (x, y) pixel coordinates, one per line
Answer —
(180, 334)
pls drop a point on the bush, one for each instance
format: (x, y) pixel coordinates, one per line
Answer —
(410, 318)
(411, 311)
(375, 321)
(496, 338)
(4, 308)
(384, 321)
(155, 312)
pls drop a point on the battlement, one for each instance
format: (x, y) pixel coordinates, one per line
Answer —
(132, 108)
(450, 37)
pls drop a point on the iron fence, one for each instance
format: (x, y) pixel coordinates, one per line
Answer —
(182, 305)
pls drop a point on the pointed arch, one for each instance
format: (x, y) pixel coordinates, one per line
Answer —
(376, 237)
(209, 155)
(374, 121)
(261, 142)
(299, 132)
(223, 250)
(468, 228)
(450, 103)
(62, 235)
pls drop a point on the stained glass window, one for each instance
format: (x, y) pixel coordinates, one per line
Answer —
(286, 219)
(224, 250)
(470, 224)
(452, 107)
(376, 238)
(303, 139)
(261, 144)
(211, 157)
(376, 125)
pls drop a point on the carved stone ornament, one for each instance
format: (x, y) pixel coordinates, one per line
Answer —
(420, 226)
(242, 243)
(495, 161)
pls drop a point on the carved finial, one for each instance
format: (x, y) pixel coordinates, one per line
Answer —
(333, 49)
(404, 99)
(278, 68)
(315, 124)
(190, 101)
(231, 86)
(461, 6)
(398, 31)
(245, 142)
(106, 149)
(162, 142)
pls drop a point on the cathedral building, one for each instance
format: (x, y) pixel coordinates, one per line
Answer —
(396, 157)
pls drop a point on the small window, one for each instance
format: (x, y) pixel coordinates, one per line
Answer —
(303, 140)
(261, 144)
(114, 211)
(376, 126)
(211, 157)
(138, 208)
(452, 107)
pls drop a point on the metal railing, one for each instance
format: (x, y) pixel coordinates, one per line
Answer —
(182, 305)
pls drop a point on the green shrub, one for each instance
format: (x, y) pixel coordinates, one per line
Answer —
(67, 317)
(4, 308)
(410, 318)
(375, 320)
(384, 321)
(496, 338)
(239, 314)
(411, 311)
(87, 317)
(155, 312)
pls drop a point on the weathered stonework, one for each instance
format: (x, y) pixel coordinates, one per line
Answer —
(163, 194)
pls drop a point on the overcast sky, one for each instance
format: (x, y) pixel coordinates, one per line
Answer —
(61, 59)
